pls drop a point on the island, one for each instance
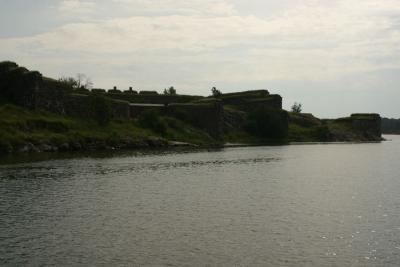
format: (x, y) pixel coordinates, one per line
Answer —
(41, 114)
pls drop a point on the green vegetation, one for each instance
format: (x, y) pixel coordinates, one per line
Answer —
(81, 81)
(29, 104)
(170, 91)
(180, 131)
(263, 125)
(101, 110)
(298, 133)
(306, 128)
(19, 127)
(176, 127)
(23, 130)
(152, 120)
(296, 107)
(215, 92)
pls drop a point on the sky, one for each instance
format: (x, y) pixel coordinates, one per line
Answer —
(335, 57)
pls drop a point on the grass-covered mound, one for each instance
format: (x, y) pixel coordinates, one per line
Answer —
(307, 128)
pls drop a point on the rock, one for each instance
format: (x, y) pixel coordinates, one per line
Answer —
(75, 146)
(138, 144)
(180, 144)
(24, 149)
(46, 148)
(64, 147)
(156, 142)
(29, 147)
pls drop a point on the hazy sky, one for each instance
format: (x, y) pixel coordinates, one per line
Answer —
(333, 56)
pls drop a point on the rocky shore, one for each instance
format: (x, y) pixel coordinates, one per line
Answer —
(90, 144)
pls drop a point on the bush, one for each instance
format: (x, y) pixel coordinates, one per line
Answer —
(215, 92)
(151, 120)
(170, 91)
(297, 107)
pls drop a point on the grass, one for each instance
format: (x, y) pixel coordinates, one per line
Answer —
(305, 127)
(180, 131)
(19, 126)
(298, 133)
(342, 129)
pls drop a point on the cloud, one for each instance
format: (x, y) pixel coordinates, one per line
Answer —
(68, 7)
(179, 7)
(314, 41)
(185, 33)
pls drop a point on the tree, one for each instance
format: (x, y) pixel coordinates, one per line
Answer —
(215, 92)
(80, 81)
(170, 91)
(69, 81)
(88, 83)
(297, 107)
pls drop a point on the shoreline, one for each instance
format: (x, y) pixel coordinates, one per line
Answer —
(159, 147)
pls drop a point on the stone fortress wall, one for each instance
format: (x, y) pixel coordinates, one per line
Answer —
(33, 91)
(369, 124)
(30, 89)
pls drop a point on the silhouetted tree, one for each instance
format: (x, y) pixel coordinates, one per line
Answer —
(296, 107)
(80, 81)
(170, 91)
(70, 81)
(215, 92)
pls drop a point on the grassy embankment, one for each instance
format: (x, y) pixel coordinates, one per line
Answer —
(22, 129)
(307, 128)
(302, 128)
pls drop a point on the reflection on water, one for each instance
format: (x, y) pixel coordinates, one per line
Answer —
(308, 205)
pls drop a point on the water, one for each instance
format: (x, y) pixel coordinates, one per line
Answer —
(303, 205)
